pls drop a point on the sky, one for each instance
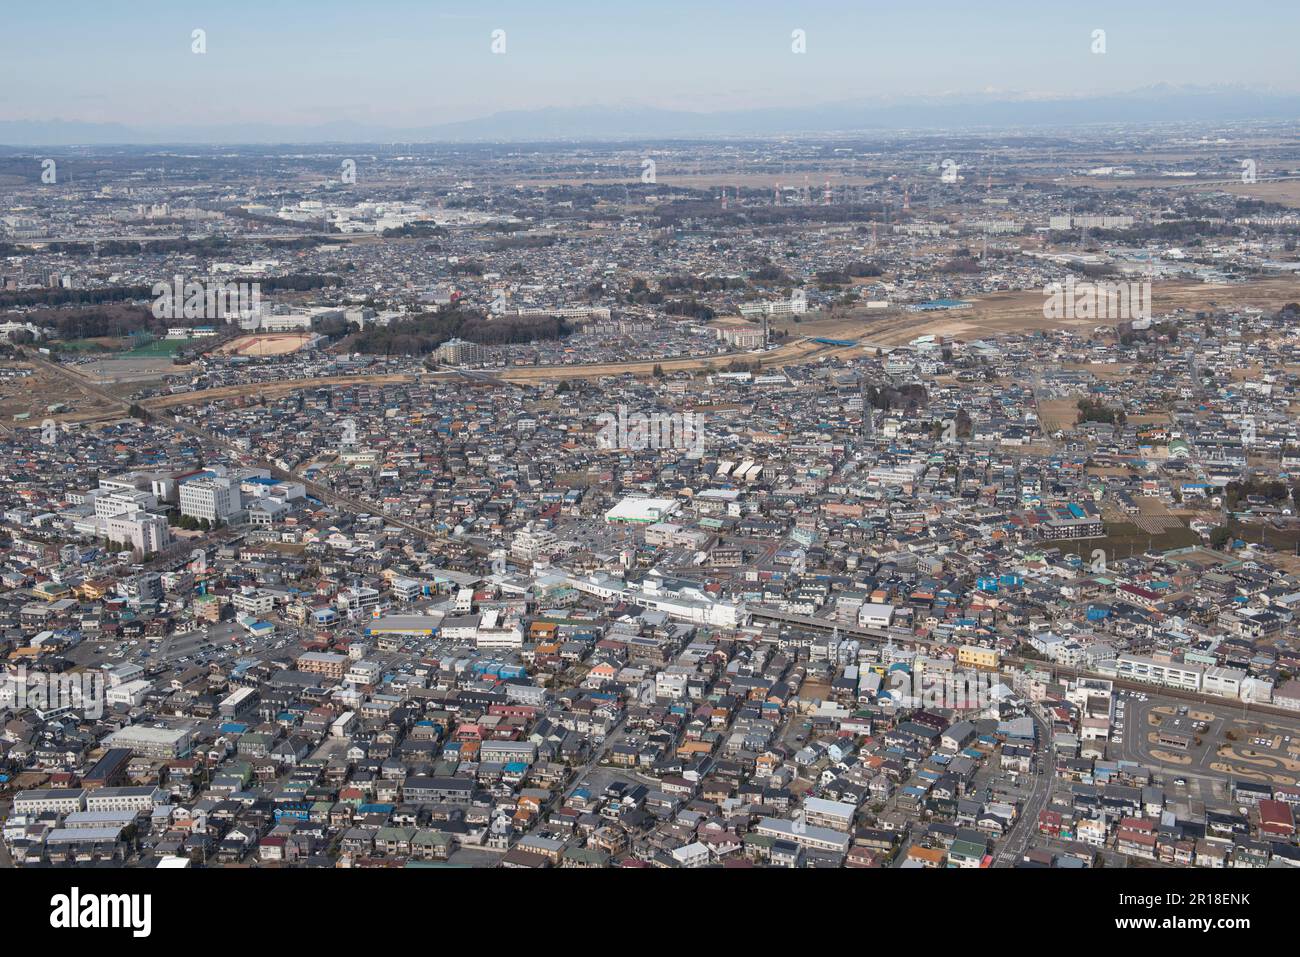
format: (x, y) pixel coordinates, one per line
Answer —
(402, 62)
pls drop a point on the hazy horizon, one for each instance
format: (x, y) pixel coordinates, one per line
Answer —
(404, 64)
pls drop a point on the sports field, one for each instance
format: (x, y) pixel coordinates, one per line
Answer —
(266, 344)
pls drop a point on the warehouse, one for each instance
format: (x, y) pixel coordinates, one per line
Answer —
(642, 511)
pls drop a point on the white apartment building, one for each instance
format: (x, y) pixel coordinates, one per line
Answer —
(670, 685)
(152, 742)
(145, 533)
(125, 799)
(459, 352)
(214, 499)
(531, 543)
(742, 337)
(358, 602)
(363, 673)
(406, 589)
(59, 800)
(253, 602)
(836, 815)
(565, 312)
(796, 305)
(494, 634)
(819, 838)
(122, 502)
(904, 475)
(1139, 668)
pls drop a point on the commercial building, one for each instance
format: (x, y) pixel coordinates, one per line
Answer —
(152, 742)
(213, 500)
(642, 511)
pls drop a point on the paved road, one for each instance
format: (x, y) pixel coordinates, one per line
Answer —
(6, 861)
(1015, 841)
(614, 735)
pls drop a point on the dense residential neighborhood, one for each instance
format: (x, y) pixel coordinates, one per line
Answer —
(884, 497)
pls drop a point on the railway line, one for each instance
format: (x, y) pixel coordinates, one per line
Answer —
(897, 637)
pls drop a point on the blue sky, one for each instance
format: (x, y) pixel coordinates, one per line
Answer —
(399, 61)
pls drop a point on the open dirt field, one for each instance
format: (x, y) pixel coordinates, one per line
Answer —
(1283, 191)
(267, 344)
(1058, 413)
(792, 353)
(126, 369)
(269, 388)
(990, 316)
(34, 394)
(1022, 311)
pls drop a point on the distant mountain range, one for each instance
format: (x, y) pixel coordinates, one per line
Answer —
(1160, 104)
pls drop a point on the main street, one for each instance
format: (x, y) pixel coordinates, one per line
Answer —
(1016, 840)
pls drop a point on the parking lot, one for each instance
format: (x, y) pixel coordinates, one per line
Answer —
(1224, 741)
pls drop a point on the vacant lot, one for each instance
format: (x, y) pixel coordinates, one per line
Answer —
(1284, 191)
(1058, 413)
(1021, 312)
(33, 395)
(269, 388)
(130, 367)
(1123, 539)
